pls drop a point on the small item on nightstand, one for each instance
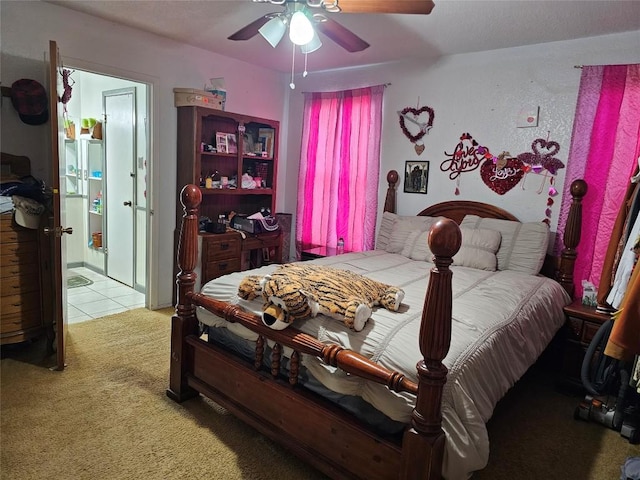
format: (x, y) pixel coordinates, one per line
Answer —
(340, 246)
(589, 294)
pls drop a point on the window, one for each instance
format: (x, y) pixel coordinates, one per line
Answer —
(339, 168)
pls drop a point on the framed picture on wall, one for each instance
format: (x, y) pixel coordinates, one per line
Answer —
(416, 176)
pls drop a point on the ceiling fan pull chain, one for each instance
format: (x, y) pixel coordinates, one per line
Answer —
(293, 63)
(305, 73)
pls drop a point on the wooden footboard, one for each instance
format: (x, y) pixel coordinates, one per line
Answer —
(314, 429)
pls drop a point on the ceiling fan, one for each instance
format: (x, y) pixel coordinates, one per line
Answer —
(273, 25)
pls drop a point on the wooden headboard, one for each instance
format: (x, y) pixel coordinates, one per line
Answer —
(457, 209)
(560, 268)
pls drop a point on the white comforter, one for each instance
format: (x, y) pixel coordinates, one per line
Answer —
(502, 321)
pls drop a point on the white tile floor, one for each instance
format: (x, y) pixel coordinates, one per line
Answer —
(104, 296)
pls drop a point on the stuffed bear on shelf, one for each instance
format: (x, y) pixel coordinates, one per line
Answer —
(297, 291)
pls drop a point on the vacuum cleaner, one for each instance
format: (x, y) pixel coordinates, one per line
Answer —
(611, 400)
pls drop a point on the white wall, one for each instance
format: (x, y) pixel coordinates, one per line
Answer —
(96, 45)
(479, 93)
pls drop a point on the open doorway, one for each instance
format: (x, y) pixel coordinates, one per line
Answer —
(106, 156)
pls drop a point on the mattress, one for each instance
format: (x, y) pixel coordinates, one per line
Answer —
(501, 322)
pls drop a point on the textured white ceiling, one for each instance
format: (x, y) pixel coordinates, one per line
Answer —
(454, 26)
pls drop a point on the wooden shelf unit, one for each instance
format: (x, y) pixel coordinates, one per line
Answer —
(197, 129)
(197, 126)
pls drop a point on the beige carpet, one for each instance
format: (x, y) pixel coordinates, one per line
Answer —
(107, 417)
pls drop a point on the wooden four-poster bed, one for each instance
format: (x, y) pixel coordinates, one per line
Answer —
(267, 392)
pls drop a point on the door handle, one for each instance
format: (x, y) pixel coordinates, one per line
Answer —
(58, 231)
(127, 204)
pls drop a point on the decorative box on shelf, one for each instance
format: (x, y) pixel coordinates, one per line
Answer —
(191, 97)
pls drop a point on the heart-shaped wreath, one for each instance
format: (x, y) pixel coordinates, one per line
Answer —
(416, 113)
(503, 175)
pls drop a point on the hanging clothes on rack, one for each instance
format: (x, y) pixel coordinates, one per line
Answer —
(625, 267)
(624, 341)
(621, 230)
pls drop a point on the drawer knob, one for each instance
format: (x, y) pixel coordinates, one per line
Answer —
(224, 246)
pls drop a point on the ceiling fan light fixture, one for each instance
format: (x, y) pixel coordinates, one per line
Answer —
(273, 31)
(301, 31)
(311, 46)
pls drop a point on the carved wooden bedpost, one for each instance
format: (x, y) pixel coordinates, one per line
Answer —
(571, 237)
(184, 322)
(423, 444)
(390, 200)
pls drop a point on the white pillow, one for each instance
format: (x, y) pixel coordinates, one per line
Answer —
(417, 248)
(402, 227)
(386, 227)
(523, 247)
(478, 249)
(399, 236)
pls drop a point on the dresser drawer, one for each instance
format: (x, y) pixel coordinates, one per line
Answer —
(211, 270)
(13, 236)
(16, 322)
(18, 253)
(20, 303)
(13, 269)
(217, 248)
(19, 284)
(589, 331)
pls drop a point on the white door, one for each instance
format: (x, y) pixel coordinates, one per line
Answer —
(120, 143)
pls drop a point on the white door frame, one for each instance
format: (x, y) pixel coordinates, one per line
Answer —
(152, 83)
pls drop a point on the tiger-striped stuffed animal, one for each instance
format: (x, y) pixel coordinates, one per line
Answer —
(296, 291)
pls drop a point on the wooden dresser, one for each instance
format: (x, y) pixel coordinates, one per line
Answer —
(21, 300)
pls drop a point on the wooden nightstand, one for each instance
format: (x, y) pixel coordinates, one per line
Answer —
(582, 323)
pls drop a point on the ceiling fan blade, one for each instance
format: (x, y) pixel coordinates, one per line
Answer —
(423, 7)
(341, 35)
(251, 30)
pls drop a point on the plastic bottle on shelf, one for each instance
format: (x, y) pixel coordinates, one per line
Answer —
(340, 245)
